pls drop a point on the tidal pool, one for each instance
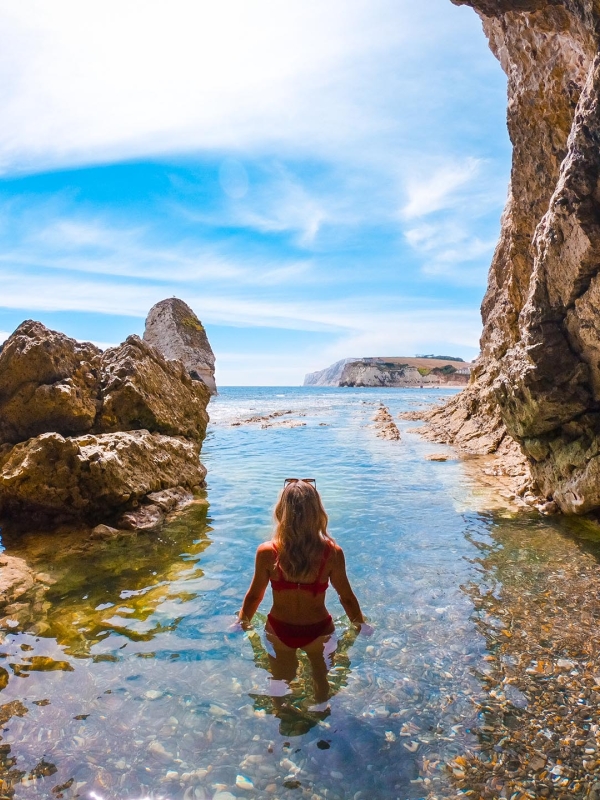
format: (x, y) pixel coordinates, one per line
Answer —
(121, 679)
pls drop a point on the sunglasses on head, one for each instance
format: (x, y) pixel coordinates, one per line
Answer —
(304, 480)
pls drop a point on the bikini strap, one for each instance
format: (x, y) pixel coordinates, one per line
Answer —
(277, 564)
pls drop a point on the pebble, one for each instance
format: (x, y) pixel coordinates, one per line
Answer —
(157, 749)
(244, 783)
(153, 694)
(216, 711)
(224, 796)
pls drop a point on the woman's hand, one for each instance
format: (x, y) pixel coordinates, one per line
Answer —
(363, 628)
(240, 624)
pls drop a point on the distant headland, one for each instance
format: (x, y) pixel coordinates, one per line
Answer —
(395, 371)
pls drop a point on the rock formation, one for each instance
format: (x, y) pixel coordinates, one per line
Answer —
(385, 426)
(537, 382)
(93, 477)
(140, 389)
(86, 435)
(47, 383)
(176, 332)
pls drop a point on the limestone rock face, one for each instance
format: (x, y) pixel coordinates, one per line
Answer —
(176, 332)
(47, 382)
(537, 382)
(90, 477)
(330, 376)
(141, 389)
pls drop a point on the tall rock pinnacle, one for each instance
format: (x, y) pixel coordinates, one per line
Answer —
(174, 330)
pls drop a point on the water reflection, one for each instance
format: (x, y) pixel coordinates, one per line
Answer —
(95, 598)
(97, 590)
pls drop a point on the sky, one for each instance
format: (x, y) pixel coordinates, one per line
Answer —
(317, 180)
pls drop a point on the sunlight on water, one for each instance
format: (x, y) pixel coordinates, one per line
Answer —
(120, 677)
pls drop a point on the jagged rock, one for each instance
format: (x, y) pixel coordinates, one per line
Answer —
(537, 382)
(140, 389)
(174, 330)
(47, 382)
(144, 418)
(52, 479)
(385, 426)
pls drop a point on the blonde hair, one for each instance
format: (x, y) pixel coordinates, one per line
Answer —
(300, 529)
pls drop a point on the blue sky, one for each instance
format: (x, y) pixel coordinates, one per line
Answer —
(316, 179)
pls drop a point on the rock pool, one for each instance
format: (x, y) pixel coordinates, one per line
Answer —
(121, 679)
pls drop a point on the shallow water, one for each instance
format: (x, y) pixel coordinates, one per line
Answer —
(122, 680)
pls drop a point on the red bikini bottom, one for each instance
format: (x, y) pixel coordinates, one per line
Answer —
(299, 635)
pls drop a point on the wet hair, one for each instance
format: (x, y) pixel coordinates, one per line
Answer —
(300, 530)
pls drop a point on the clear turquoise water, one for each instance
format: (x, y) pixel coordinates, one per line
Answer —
(144, 692)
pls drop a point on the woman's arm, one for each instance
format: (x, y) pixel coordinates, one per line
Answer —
(340, 582)
(257, 589)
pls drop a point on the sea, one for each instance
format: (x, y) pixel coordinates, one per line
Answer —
(124, 677)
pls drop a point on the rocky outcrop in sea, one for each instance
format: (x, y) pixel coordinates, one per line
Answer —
(536, 386)
(329, 376)
(394, 373)
(177, 333)
(88, 436)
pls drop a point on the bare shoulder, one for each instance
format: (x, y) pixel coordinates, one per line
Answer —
(265, 552)
(337, 554)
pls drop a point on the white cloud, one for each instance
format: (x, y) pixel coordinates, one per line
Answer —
(46, 236)
(433, 192)
(4, 336)
(451, 248)
(104, 81)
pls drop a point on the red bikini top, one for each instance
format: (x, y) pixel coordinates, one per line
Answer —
(281, 585)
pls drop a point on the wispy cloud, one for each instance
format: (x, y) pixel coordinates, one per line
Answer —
(53, 237)
(442, 219)
(433, 192)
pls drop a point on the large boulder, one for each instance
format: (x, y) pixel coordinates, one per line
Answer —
(141, 389)
(143, 418)
(174, 329)
(48, 382)
(54, 479)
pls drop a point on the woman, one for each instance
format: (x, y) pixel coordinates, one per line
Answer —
(299, 561)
